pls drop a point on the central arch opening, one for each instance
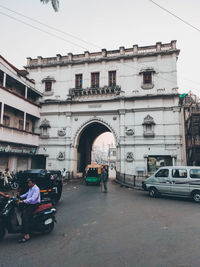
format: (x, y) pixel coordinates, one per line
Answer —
(85, 149)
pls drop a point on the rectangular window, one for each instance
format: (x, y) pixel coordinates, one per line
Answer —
(78, 81)
(27, 126)
(112, 78)
(95, 80)
(195, 173)
(162, 173)
(147, 78)
(6, 120)
(179, 173)
(21, 124)
(48, 86)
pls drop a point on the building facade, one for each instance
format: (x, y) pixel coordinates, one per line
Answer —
(191, 110)
(130, 92)
(19, 115)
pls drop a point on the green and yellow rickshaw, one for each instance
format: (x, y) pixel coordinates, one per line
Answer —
(93, 174)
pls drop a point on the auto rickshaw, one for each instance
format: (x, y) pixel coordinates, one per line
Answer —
(93, 174)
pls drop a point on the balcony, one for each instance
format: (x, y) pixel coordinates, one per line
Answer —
(106, 90)
(13, 135)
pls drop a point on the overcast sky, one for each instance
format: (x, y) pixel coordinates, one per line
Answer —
(106, 23)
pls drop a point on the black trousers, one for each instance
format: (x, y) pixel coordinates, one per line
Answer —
(27, 215)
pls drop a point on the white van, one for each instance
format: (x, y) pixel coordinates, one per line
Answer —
(183, 181)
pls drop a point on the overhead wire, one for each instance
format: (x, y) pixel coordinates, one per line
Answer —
(50, 27)
(174, 15)
(41, 30)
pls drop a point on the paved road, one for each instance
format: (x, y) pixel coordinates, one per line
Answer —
(122, 228)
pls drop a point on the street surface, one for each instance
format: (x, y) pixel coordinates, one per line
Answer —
(122, 228)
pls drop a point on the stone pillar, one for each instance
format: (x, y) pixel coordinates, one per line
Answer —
(173, 44)
(122, 138)
(70, 56)
(4, 79)
(58, 57)
(28, 60)
(87, 54)
(26, 92)
(69, 148)
(135, 49)
(104, 52)
(158, 46)
(39, 58)
(24, 127)
(122, 50)
(2, 112)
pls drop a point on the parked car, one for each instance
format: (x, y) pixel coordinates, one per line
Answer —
(183, 181)
(49, 182)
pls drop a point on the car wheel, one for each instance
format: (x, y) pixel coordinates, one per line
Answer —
(153, 192)
(196, 196)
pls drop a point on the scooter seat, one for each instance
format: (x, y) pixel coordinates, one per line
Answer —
(43, 207)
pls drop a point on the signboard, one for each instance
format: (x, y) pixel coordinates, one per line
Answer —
(17, 149)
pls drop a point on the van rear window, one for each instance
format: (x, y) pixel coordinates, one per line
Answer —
(195, 173)
(93, 172)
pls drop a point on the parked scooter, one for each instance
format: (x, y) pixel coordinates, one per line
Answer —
(42, 221)
(12, 183)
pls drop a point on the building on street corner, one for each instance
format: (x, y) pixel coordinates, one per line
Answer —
(130, 92)
(19, 116)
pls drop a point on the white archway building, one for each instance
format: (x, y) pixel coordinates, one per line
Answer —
(130, 92)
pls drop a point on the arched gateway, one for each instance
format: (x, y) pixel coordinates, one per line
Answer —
(84, 139)
(130, 92)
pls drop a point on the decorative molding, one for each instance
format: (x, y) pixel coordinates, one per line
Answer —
(129, 157)
(129, 131)
(45, 124)
(49, 79)
(147, 86)
(48, 93)
(61, 156)
(44, 136)
(62, 132)
(148, 120)
(88, 122)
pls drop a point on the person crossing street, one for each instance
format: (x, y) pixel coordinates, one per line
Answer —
(104, 179)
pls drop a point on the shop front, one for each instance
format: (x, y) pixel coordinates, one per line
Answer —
(16, 157)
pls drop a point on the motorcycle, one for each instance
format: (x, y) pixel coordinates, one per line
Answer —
(42, 221)
(12, 183)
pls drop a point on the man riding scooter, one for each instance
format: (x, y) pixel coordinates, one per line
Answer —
(31, 200)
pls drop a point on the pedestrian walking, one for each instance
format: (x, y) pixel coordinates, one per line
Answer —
(104, 179)
(64, 173)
